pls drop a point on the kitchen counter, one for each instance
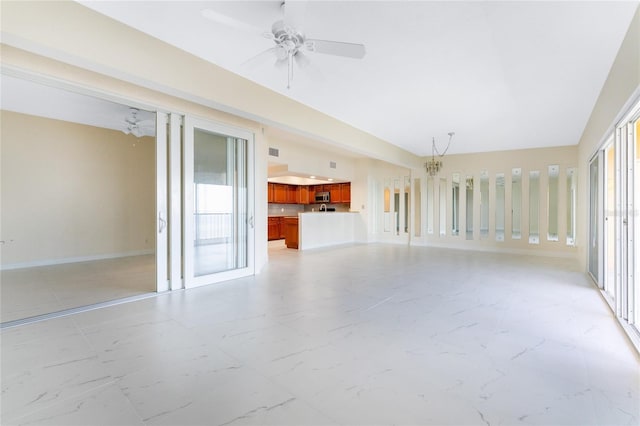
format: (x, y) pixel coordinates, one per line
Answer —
(325, 229)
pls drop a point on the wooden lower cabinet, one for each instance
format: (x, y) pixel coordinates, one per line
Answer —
(274, 228)
(291, 232)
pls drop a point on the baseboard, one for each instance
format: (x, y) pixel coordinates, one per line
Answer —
(51, 262)
(510, 250)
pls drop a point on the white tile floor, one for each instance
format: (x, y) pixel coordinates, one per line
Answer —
(28, 292)
(375, 334)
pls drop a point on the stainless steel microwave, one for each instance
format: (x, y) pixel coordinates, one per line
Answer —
(323, 197)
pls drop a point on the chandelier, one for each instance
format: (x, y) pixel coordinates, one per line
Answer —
(434, 165)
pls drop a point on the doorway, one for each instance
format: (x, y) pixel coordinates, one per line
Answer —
(78, 200)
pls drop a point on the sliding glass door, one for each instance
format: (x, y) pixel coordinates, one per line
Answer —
(615, 197)
(218, 211)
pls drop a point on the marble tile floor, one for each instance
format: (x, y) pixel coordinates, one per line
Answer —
(28, 292)
(360, 335)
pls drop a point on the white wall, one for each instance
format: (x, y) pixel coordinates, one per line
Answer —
(71, 191)
(308, 157)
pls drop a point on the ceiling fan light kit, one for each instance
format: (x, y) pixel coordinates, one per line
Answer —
(133, 124)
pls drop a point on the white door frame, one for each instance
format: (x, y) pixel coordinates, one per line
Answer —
(190, 124)
(162, 234)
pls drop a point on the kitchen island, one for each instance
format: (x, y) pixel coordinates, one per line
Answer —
(325, 229)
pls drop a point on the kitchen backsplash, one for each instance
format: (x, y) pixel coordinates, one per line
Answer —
(285, 209)
(294, 209)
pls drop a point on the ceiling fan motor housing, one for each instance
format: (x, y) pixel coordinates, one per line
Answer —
(286, 38)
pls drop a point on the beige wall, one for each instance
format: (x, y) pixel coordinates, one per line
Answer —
(71, 191)
(494, 163)
(621, 86)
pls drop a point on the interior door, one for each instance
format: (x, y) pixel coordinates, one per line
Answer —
(218, 203)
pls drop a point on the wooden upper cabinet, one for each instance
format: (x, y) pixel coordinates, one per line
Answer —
(270, 192)
(292, 194)
(306, 194)
(280, 193)
(345, 192)
(312, 194)
(303, 194)
(334, 191)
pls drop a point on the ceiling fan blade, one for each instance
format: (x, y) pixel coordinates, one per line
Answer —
(228, 21)
(338, 48)
(301, 59)
(281, 63)
(311, 72)
(259, 59)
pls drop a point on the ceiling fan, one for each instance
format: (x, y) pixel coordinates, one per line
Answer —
(289, 39)
(137, 126)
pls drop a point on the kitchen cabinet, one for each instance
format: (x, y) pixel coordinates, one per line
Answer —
(291, 232)
(280, 193)
(292, 194)
(345, 192)
(273, 227)
(312, 194)
(303, 194)
(334, 191)
(306, 194)
(270, 193)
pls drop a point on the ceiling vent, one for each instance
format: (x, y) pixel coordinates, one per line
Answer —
(274, 152)
(332, 164)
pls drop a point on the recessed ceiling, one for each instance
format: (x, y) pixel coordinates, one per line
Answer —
(502, 75)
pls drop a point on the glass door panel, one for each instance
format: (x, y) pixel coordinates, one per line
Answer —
(218, 237)
(610, 222)
(594, 219)
(635, 144)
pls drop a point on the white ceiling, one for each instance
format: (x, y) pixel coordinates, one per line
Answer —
(502, 75)
(37, 99)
